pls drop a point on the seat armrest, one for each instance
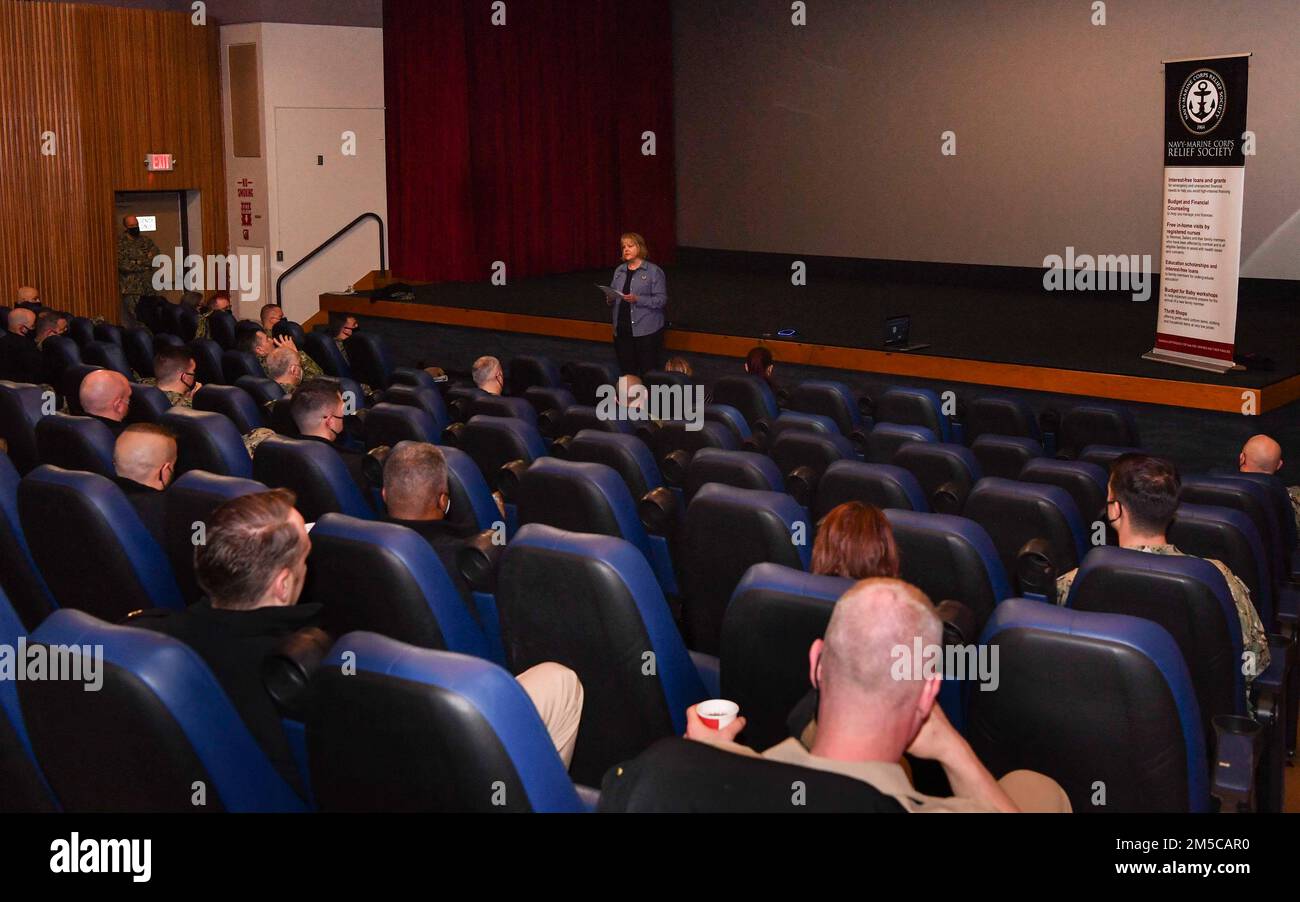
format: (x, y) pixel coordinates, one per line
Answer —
(708, 668)
(588, 796)
(477, 561)
(287, 670)
(959, 623)
(1238, 745)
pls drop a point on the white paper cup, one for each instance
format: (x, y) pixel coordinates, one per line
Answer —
(716, 713)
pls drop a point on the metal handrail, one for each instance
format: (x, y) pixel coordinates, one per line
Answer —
(383, 259)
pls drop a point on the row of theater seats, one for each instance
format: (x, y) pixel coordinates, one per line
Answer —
(722, 510)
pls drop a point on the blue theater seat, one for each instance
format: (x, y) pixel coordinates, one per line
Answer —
(585, 377)
(427, 399)
(742, 469)
(727, 531)
(59, 352)
(430, 731)
(472, 506)
(1036, 529)
(288, 328)
(20, 410)
(81, 330)
(834, 400)
(108, 333)
(950, 558)
(583, 497)
(1105, 455)
(592, 604)
(1066, 680)
(627, 455)
(1085, 483)
(750, 395)
(148, 404)
(773, 617)
(207, 441)
(108, 356)
(169, 318)
(416, 378)
(730, 417)
(1275, 490)
(665, 377)
(69, 386)
(27, 592)
(187, 323)
(22, 785)
(191, 499)
(371, 361)
(1095, 423)
(881, 485)
(75, 443)
(803, 455)
(501, 446)
(550, 404)
(320, 347)
(235, 364)
(884, 441)
(807, 422)
(1230, 537)
(137, 343)
(578, 417)
(1253, 500)
(459, 398)
(947, 472)
(90, 545)
(316, 474)
(675, 445)
(1005, 455)
(262, 390)
(221, 329)
(994, 415)
(234, 404)
(208, 362)
(386, 578)
(529, 370)
(502, 406)
(914, 407)
(160, 727)
(388, 424)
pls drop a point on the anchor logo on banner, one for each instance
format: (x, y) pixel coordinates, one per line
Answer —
(1201, 101)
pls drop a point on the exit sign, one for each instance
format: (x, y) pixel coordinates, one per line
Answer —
(160, 162)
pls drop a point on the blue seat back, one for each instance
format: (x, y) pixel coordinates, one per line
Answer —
(914, 407)
(192, 499)
(743, 469)
(881, 485)
(207, 441)
(1013, 513)
(628, 455)
(884, 441)
(322, 349)
(830, 399)
(530, 370)
(75, 443)
(208, 367)
(495, 441)
(751, 395)
(315, 472)
(148, 404)
(21, 407)
(388, 424)
(232, 402)
(23, 584)
(106, 355)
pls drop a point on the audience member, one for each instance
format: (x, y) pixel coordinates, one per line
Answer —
(346, 327)
(50, 322)
(759, 362)
(867, 717)
(174, 373)
(415, 494)
(28, 298)
(270, 314)
(106, 396)
(20, 359)
(283, 368)
(217, 303)
(1141, 498)
(1261, 454)
(318, 412)
(679, 365)
(144, 458)
(489, 376)
(260, 344)
(855, 540)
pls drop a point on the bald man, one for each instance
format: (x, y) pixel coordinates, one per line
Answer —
(135, 255)
(144, 458)
(1261, 454)
(867, 716)
(20, 358)
(29, 295)
(106, 396)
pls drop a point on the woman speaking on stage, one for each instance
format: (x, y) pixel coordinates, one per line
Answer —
(639, 315)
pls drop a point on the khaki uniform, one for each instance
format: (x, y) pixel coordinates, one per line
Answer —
(1253, 636)
(134, 271)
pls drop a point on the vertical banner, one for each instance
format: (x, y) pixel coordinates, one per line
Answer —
(1200, 243)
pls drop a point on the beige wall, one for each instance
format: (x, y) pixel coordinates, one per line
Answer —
(825, 139)
(316, 82)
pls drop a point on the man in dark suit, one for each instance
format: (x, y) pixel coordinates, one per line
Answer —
(144, 458)
(20, 358)
(252, 569)
(106, 396)
(415, 493)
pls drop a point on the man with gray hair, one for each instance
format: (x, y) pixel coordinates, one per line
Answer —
(867, 716)
(489, 376)
(284, 368)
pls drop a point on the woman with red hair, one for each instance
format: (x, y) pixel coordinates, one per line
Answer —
(856, 541)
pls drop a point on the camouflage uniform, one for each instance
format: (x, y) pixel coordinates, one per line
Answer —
(1253, 636)
(338, 343)
(255, 438)
(134, 271)
(1294, 492)
(202, 330)
(174, 398)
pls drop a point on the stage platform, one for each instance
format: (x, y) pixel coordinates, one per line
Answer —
(1013, 335)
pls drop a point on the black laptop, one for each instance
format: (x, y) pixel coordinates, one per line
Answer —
(897, 331)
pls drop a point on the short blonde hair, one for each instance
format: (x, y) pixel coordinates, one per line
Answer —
(635, 238)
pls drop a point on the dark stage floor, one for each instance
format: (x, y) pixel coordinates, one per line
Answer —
(1102, 332)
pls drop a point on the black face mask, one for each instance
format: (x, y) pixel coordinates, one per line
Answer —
(134, 231)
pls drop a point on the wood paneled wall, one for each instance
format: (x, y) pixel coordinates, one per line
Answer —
(112, 84)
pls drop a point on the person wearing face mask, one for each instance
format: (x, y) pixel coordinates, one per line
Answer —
(1141, 497)
(317, 410)
(144, 458)
(20, 358)
(415, 495)
(135, 256)
(174, 371)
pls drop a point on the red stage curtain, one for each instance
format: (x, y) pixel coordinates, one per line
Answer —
(522, 143)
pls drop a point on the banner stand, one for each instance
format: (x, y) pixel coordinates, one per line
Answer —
(1200, 237)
